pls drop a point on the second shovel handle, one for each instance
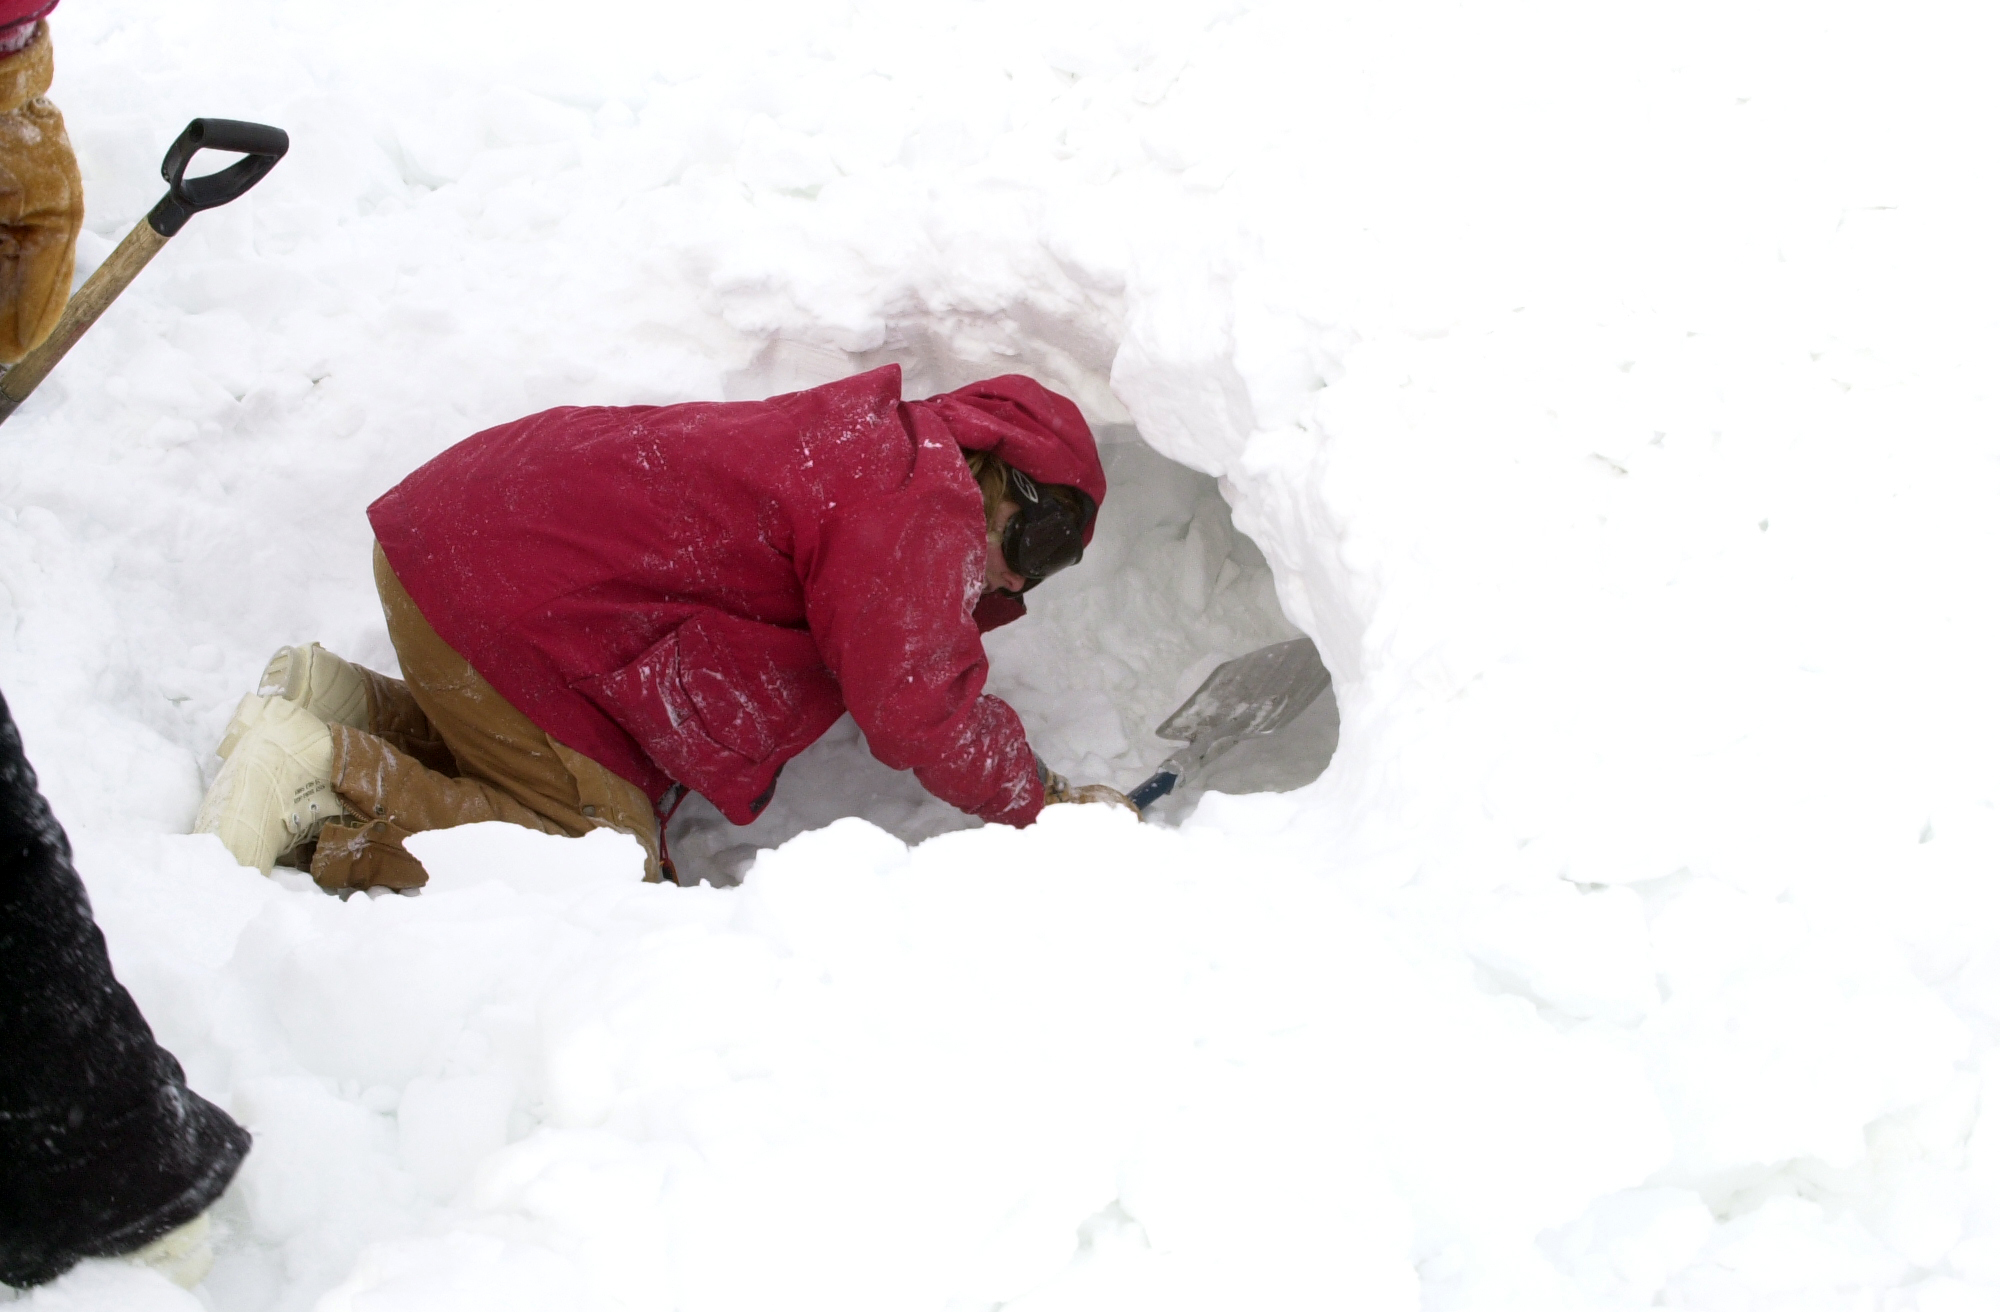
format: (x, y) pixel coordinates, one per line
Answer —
(112, 277)
(260, 144)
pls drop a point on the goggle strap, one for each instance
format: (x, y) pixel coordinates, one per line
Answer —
(1024, 485)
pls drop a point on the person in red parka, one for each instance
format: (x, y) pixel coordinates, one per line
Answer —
(599, 608)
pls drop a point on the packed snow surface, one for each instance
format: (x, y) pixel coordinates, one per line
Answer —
(1607, 391)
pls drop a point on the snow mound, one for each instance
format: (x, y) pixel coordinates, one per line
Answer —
(1608, 396)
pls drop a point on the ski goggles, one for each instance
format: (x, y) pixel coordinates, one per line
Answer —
(1046, 534)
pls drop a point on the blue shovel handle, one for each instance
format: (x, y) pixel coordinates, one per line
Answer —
(1154, 789)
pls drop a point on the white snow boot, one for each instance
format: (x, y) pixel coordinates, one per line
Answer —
(183, 1255)
(276, 786)
(314, 679)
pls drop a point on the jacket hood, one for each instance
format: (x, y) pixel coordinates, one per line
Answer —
(1031, 428)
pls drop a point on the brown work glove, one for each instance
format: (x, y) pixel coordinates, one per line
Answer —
(41, 200)
(1055, 789)
(1104, 793)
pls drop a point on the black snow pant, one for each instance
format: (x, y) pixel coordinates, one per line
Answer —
(103, 1148)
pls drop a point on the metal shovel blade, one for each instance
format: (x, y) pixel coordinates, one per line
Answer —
(1254, 695)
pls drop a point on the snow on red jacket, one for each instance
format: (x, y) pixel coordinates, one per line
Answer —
(696, 592)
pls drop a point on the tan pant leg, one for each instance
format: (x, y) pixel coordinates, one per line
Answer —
(508, 769)
(395, 795)
(395, 717)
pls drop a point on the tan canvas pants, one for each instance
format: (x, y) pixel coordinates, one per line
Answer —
(443, 749)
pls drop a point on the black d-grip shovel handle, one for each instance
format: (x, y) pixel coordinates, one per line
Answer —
(261, 146)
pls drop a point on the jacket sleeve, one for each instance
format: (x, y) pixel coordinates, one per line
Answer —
(41, 201)
(889, 597)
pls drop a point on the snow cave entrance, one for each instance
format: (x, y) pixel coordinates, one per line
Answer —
(1168, 590)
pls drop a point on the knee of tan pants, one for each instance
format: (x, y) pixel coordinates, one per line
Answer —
(608, 801)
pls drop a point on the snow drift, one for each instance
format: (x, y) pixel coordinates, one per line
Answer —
(1607, 396)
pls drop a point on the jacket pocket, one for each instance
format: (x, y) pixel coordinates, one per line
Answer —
(721, 702)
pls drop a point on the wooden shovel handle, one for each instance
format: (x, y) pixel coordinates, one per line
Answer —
(91, 300)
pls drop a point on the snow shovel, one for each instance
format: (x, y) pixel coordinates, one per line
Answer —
(1249, 697)
(261, 147)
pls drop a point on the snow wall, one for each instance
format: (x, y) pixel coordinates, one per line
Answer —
(1608, 397)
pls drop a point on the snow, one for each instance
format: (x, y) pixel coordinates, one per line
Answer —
(1608, 394)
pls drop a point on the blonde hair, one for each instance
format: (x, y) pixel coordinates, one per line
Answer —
(990, 472)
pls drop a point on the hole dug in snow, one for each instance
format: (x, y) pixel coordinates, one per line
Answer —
(1168, 590)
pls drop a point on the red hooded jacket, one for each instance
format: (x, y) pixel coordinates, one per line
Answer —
(695, 593)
